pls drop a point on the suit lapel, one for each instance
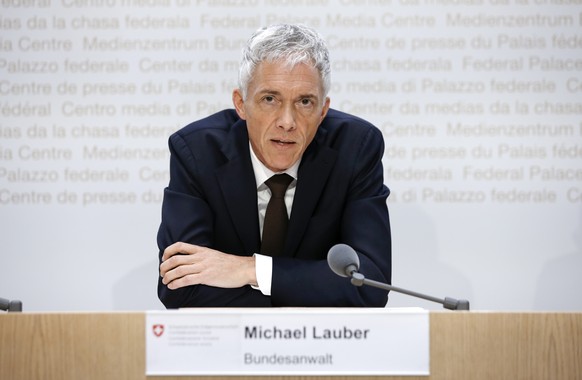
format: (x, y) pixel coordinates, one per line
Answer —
(315, 168)
(237, 183)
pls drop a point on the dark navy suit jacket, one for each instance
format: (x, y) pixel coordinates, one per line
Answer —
(211, 200)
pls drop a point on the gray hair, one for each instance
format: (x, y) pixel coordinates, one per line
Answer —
(292, 43)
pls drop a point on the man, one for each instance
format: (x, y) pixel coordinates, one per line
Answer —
(214, 208)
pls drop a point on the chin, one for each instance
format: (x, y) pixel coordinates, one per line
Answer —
(283, 163)
(280, 166)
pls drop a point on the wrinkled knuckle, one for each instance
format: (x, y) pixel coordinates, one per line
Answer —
(181, 271)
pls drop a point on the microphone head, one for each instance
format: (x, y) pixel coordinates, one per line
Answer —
(342, 259)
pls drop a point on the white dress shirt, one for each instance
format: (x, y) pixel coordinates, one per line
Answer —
(264, 264)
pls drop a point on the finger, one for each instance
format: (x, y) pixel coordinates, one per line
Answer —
(172, 250)
(174, 262)
(178, 272)
(167, 266)
(178, 248)
(180, 282)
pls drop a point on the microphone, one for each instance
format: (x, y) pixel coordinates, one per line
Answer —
(7, 305)
(344, 261)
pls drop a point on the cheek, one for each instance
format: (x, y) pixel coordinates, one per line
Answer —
(310, 130)
(255, 136)
(258, 136)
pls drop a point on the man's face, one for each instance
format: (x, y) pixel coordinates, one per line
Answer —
(283, 109)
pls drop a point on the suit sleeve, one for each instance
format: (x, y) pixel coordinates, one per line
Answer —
(364, 225)
(187, 217)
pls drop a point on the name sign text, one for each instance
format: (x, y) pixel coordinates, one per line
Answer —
(316, 341)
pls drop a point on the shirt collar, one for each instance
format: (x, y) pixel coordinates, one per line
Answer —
(262, 173)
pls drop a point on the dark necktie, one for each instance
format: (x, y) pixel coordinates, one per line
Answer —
(276, 219)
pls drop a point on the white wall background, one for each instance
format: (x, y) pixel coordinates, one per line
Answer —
(480, 102)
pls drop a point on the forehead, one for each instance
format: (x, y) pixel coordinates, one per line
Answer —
(282, 76)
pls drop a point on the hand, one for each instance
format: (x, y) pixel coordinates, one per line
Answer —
(187, 264)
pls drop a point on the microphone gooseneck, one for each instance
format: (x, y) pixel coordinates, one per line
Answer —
(344, 261)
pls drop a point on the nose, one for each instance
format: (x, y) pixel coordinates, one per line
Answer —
(287, 119)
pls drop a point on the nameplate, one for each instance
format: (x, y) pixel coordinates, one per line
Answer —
(326, 341)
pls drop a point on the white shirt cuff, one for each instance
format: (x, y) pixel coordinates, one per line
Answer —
(264, 271)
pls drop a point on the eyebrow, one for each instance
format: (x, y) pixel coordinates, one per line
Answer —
(270, 92)
(278, 93)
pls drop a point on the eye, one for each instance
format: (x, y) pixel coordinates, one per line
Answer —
(269, 99)
(306, 102)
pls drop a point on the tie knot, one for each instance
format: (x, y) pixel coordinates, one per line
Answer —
(278, 184)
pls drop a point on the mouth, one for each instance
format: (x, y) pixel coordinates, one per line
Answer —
(282, 142)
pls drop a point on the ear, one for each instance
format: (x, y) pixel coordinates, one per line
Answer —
(239, 103)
